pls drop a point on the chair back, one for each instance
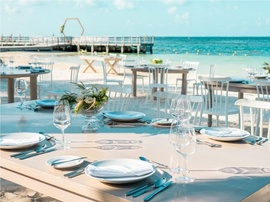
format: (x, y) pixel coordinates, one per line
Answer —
(118, 98)
(190, 65)
(158, 74)
(45, 79)
(263, 90)
(74, 73)
(215, 95)
(167, 97)
(120, 79)
(212, 70)
(257, 114)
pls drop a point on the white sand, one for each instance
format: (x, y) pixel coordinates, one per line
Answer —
(61, 76)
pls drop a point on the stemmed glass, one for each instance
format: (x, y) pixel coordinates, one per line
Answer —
(184, 138)
(21, 88)
(180, 109)
(61, 118)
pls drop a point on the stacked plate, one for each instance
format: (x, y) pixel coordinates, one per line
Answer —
(124, 115)
(48, 104)
(20, 140)
(225, 133)
(119, 171)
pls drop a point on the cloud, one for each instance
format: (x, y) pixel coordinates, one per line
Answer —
(122, 4)
(172, 10)
(184, 19)
(27, 1)
(168, 2)
(8, 9)
(88, 2)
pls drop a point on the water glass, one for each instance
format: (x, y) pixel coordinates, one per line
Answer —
(61, 118)
(21, 88)
(185, 144)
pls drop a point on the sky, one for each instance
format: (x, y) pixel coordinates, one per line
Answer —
(135, 17)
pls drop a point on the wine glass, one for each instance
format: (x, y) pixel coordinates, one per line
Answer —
(180, 108)
(61, 118)
(185, 145)
(183, 108)
(21, 88)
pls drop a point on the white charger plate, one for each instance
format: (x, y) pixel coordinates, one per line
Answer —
(20, 140)
(46, 103)
(164, 123)
(119, 162)
(215, 133)
(70, 164)
(124, 115)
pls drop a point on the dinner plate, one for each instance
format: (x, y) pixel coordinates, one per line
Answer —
(69, 164)
(124, 115)
(20, 140)
(164, 123)
(120, 162)
(225, 133)
(46, 103)
(261, 77)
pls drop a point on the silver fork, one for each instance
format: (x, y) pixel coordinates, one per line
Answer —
(210, 144)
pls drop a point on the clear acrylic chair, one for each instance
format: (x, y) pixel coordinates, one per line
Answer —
(74, 75)
(193, 66)
(158, 78)
(45, 80)
(167, 97)
(215, 94)
(257, 116)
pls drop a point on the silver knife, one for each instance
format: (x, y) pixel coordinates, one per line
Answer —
(160, 189)
(139, 188)
(36, 154)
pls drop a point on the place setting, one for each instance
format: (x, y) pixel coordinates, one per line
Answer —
(125, 119)
(27, 144)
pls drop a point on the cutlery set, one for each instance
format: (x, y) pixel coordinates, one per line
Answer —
(210, 144)
(157, 186)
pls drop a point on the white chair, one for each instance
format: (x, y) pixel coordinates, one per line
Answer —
(196, 105)
(120, 79)
(258, 113)
(193, 74)
(45, 80)
(215, 93)
(118, 98)
(158, 78)
(74, 74)
(263, 90)
(197, 84)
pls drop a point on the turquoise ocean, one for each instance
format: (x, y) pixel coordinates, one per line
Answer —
(230, 54)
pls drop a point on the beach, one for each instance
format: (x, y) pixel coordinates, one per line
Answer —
(226, 66)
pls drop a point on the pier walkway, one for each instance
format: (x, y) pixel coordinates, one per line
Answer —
(86, 43)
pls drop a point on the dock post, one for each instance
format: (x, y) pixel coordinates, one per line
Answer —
(138, 49)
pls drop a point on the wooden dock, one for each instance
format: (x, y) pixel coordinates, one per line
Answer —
(86, 43)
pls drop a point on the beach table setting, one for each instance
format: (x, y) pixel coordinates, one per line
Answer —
(155, 63)
(130, 158)
(11, 73)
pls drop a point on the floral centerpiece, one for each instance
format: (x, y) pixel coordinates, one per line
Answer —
(88, 99)
(156, 61)
(88, 102)
(266, 66)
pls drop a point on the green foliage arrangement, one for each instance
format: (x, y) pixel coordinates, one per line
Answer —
(266, 66)
(157, 61)
(88, 98)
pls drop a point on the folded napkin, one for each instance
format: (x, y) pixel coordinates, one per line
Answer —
(223, 132)
(132, 170)
(12, 142)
